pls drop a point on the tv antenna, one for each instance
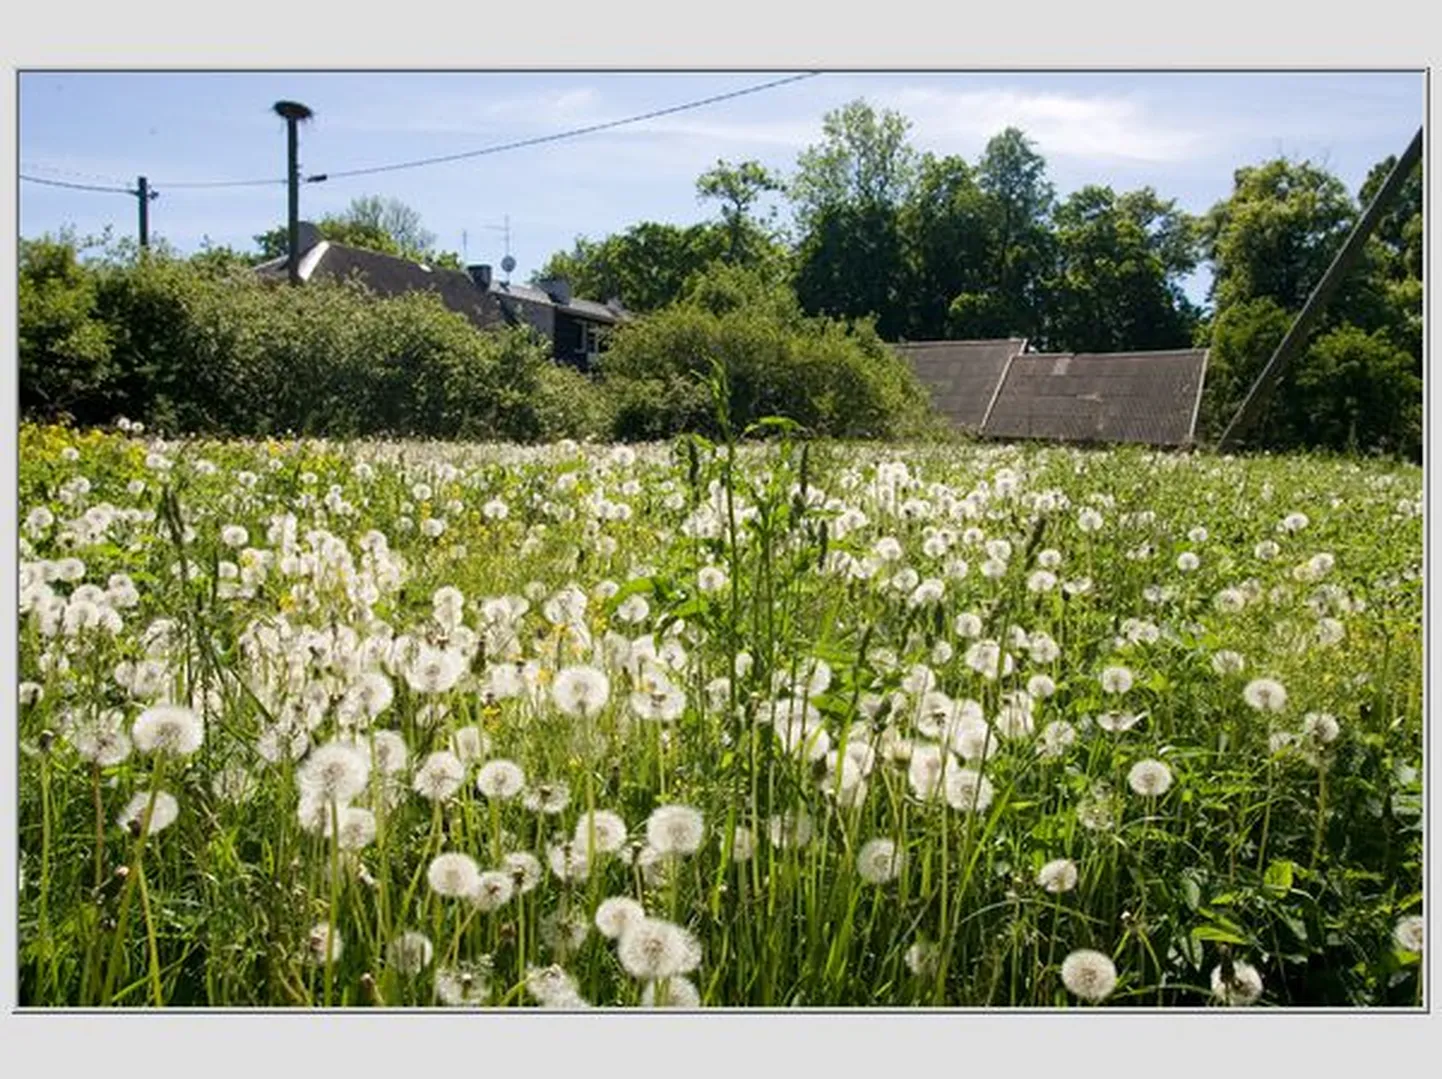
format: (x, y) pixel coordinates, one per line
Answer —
(508, 263)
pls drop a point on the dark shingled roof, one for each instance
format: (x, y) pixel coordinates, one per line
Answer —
(387, 275)
(962, 376)
(1147, 397)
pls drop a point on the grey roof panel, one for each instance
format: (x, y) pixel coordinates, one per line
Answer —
(391, 276)
(962, 376)
(1146, 397)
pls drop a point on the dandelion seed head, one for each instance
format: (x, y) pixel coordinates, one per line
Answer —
(1089, 974)
(1058, 875)
(673, 992)
(410, 953)
(168, 728)
(335, 772)
(675, 829)
(879, 861)
(453, 875)
(439, 776)
(581, 691)
(1409, 932)
(162, 815)
(653, 948)
(324, 944)
(967, 790)
(600, 831)
(1265, 695)
(617, 914)
(1244, 987)
(1150, 778)
(493, 889)
(501, 780)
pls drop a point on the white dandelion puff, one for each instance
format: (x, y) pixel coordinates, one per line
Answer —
(493, 889)
(1243, 988)
(1265, 695)
(161, 815)
(1409, 932)
(439, 776)
(1089, 974)
(652, 949)
(410, 953)
(1058, 875)
(1150, 778)
(501, 780)
(617, 914)
(581, 691)
(879, 861)
(675, 829)
(168, 728)
(673, 992)
(453, 875)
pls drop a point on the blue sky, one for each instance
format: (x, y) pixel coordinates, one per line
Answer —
(1181, 133)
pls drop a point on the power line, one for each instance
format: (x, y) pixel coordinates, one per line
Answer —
(590, 129)
(77, 187)
(221, 183)
(54, 171)
(442, 159)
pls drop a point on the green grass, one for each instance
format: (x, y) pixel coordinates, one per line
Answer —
(1274, 848)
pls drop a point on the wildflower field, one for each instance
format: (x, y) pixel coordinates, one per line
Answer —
(782, 724)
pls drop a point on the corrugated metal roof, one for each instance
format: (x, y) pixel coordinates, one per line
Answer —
(1146, 397)
(962, 376)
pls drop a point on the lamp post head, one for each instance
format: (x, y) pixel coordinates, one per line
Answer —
(292, 110)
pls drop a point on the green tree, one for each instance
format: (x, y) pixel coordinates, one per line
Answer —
(64, 346)
(1357, 382)
(1276, 233)
(738, 188)
(847, 194)
(379, 224)
(946, 230)
(647, 267)
(1013, 177)
(1355, 391)
(1116, 284)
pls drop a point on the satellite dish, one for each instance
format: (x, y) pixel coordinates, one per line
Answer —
(508, 264)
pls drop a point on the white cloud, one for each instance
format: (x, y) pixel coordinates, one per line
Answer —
(1094, 127)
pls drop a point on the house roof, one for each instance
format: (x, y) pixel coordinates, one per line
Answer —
(390, 275)
(1146, 397)
(963, 376)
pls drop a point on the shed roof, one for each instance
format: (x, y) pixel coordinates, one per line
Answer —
(1146, 397)
(962, 376)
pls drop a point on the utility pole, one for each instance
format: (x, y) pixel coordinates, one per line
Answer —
(143, 193)
(1301, 327)
(293, 112)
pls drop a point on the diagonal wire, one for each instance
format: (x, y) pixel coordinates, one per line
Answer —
(77, 187)
(54, 171)
(590, 129)
(444, 158)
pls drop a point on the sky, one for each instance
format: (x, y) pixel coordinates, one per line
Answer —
(1181, 133)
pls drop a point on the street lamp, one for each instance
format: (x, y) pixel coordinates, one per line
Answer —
(293, 112)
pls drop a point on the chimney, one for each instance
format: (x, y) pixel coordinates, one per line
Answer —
(558, 288)
(481, 275)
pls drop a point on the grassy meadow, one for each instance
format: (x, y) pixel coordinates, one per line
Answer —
(707, 725)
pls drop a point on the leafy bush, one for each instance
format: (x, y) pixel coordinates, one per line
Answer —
(832, 377)
(223, 351)
(65, 350)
